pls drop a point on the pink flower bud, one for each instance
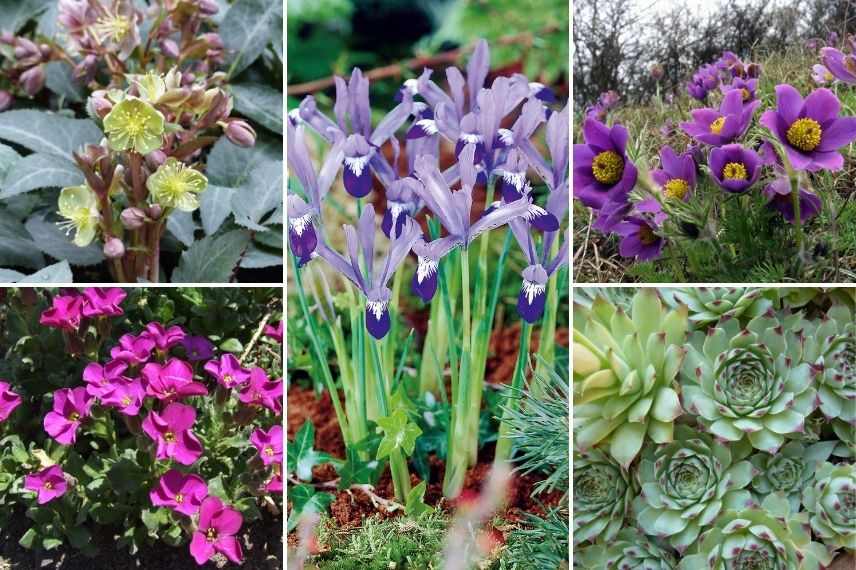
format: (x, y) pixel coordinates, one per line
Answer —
(170, 48)
(6, 100)
(213, 40)
(239, 132)
(155, 211)
(24, 49)
(114, 248)
(133, 218)
(99, 104)
(155, 159)
(33, 80)
(7, 38)
(657, 71)
(208, 7)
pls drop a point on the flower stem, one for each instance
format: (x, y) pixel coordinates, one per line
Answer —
(795, 197)
(503, 444)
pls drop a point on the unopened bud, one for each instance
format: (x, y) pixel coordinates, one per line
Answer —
(208, 7)
(657, 71)
(46, 51)
(99, 104)
(25, 49)
(240, 132)
(114, 248)
(6, 100)
(7, 38)
(94, 153)
(213, 40)
(155, 211)
(155, 159)
(133, 218)
(170, 48)
(33, 80)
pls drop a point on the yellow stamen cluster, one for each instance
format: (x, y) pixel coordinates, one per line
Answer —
(211, 534)
(716, 126)
(805, 134)
(676, 188)
(607, 167)
(74, 416)
(48, 485)
(269, 451)
(179, 498)
(169, 437)
(735, 171)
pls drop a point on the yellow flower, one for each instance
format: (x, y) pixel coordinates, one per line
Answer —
(133, 124)
(176, 185)
(79, 206)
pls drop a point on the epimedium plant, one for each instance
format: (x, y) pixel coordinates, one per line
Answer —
(155, 122)
(146, 430)
(754, 473)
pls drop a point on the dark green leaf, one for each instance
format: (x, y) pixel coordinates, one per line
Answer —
(212, 259)
(304, 499)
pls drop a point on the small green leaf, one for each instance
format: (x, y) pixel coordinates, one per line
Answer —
(414, 504)
(301, 457)
(232, 345)
(304, 499)
(399, 433)
(356, 470)
(29, 538)
(51, 543)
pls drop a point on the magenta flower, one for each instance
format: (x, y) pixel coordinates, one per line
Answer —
(842, 67)
(103, 301)
(638, 232)
(171, 431)
(676, 175)
(216, 531)
(602, 171)
(778, 194)
(164, 338)
(49, 483)
(747, 88)
(126, 396)
(197, 348)
(70, 407)
(99, 379)
(723, 126)
(734, 167)
(275, 332)
(9, 400)
(228, 371)
(810, 130)
(179, 492)
(133, 350)
(275, 484)
(269, 444)
(65, 312)
(261, 391)
(171, 381)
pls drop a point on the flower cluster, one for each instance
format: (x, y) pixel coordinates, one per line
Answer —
(803, 136)
(723, 440)
(836, 64)
(470, 118)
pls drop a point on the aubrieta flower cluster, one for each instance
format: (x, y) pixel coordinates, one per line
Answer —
(805, 136)
(470, 117)
(153, 374)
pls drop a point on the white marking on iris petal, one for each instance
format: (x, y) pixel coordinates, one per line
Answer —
(426, 268)
(532, 290)
(377, 308)
(357, 164)
(506, 136)
(471, 138)
(295, 117)
(412, 85)
(419, 106)
(428, 126)
(516, 179)
(535, 87)
(534, 211)
(298, 225)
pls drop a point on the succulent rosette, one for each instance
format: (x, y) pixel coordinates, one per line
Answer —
(625, 369)
(788, 471)
(832, 504)
(687, 483)
(750, 383)
(770, 537)
(632, 550)
(709, 304)
(603, 492)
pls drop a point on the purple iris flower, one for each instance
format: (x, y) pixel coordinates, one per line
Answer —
(402, 202)
(734, 167)
(725, 125)
(677, 175)
(747, 88)
(810, 130)
(357, 176)
(372, 283)
(532, 297)
(424, 125)
(778, 194)
(638, 232)
(602, 171)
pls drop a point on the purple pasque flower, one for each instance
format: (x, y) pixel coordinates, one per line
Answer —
(725, 125)
(638, 231)
(133, 350)
(171, 381)
(183, 493)
(810, 130)
(697, 90)
(100, 378)
(70, 407)
(170, 430)
(602, 171)
(103, 301)
(9, 400)
(747, 87)
(227, 370)
(163, 337)
(48, 483)
(215, 532)
(268, 443)
(126, 395)
(676, 175)
(734, 167)
(262, 391)
(197, 348)
(65, 312)
(778, 194)
(840, 66)
(373, 282)
(821, 74)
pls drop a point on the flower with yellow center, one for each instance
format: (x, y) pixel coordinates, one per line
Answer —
(135, 125)
(676, 188)
(211, 534)
(735, 171)
(269, 451)
(79, 206)
(716, 126)
(179, 498)
(169, 437)
(176, 185)
(47, 485)
(74, 416)
(647, 235)
(805, 134)
(126, 401)
(607, 167)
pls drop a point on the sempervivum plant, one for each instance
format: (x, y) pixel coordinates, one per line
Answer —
(687, 483)
(832, 504)
(632, 550)
(750, 383)
(768, 538)
(603, 491)
(624, 373)
(710, 304)
(788, 471)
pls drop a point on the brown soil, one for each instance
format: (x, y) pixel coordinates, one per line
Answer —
(504, 343)
(303, 404)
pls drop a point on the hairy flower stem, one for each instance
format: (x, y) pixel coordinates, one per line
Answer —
(795, 197)
(458, 457)
(503, 443)
(397, 463)
(320, 355)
